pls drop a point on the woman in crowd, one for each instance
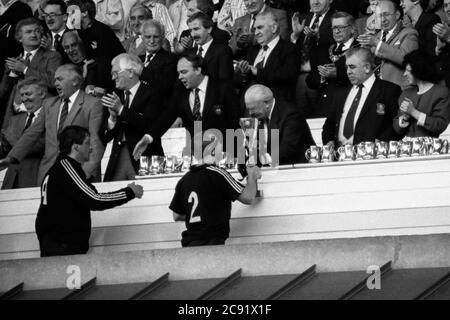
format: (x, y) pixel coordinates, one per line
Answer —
(424, 106)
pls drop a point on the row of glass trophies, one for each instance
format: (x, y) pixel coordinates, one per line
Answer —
(408, 147)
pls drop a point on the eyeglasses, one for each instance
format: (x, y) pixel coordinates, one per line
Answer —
(340, 28)
(114, 74)
(52, 15)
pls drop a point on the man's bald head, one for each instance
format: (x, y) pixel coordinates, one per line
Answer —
(259, 101)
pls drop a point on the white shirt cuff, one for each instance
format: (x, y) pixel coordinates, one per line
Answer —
(148, 138)
(111, 123)
(12, 74)
(25, 70)
(293, 38)
(378, 47)
(421, 120)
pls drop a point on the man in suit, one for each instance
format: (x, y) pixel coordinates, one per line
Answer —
(392, 43)
(128, 120)
(34, 61)
(328, 77)
(101, 42)
(160, 66)
(72, 106)
(243, 28)
(363, 111)
(313, 37)
(218, 57)
(76, 52)
(55, 15)
(442, 30)
(207, 7)
(24, 175)
(275, 114)
(273, 62)
(135, 44)
(200, 100)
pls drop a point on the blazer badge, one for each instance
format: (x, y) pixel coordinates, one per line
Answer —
(218, 110)
(381, 109)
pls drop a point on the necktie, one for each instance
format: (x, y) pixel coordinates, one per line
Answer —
(262, 57)
(63, 115)
(27, 58)
(126, 102)
(56, 41)
(378, 60)
(200, 51)
(149, 58)
(315, 24)
(196, 109)
(252, 24)
(348, 125)
(338, 49)
(29, 121)
(384, 36)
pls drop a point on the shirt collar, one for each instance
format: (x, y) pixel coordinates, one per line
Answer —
(206, 46)
(202, 86)
(134, 88)
(74, 96)
(273, 42)
(59, 33)
(36, 112)
(369, 82)
(33, 52)
(348, 44)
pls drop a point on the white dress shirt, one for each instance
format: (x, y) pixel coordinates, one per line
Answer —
(201, 94)
(265, 55)
(112, 122)
(368, 84)
(205, 47)
(71, 101)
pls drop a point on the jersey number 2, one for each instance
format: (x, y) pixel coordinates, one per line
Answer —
(193, 197)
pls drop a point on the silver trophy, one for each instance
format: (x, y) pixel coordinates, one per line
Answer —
(394, 149)
(144, 165)
(369, 148)
(313, 154)
(360, 151)
(157, 166)
(170, 163)
(346, 153)
(445, 147)
(250, 128)
(405, 149)
(186, 164)
(381, 149)
(436, 146)
(418, 147)
(327, 154)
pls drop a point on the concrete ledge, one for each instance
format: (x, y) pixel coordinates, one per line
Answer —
(426, 251)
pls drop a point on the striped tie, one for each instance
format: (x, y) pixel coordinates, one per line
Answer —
(63, 115)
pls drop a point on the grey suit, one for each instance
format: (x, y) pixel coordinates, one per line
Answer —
(86, 111)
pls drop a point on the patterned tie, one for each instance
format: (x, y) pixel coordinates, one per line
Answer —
(252, 24)
(307, 43)
(260, 64)
(29, 121)
(384, 36)
(196, 110)
(339, 48)
(378, 60)
(315, 24)
(27, 58)
(63, 115)
(200, 51)
(348, 125)
(148, 59)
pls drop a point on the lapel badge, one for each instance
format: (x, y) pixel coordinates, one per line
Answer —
(218, 110)
(94, 44)
(381, 109)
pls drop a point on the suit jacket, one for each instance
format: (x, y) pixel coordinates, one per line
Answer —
(86, 111)
(373, 122)
(161, 72)
(424, 26)
(392, 53)
(43, 66)
(242, 26)
(23, 175)
(130, 46)
(329, 87)
(318, 50)
(59, 48)
(220, 111)
(294, 134)
(220, 36)
(219, 62)
(279, 73)
(132, 123)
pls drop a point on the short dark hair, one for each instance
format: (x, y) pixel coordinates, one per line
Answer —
(71, 135)
(205, 20)
(362, 52)
(84, 5)
(422, 65)
(343, 14)
(62, 5)
(206, 6)
(196, 60)
(26, 22)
